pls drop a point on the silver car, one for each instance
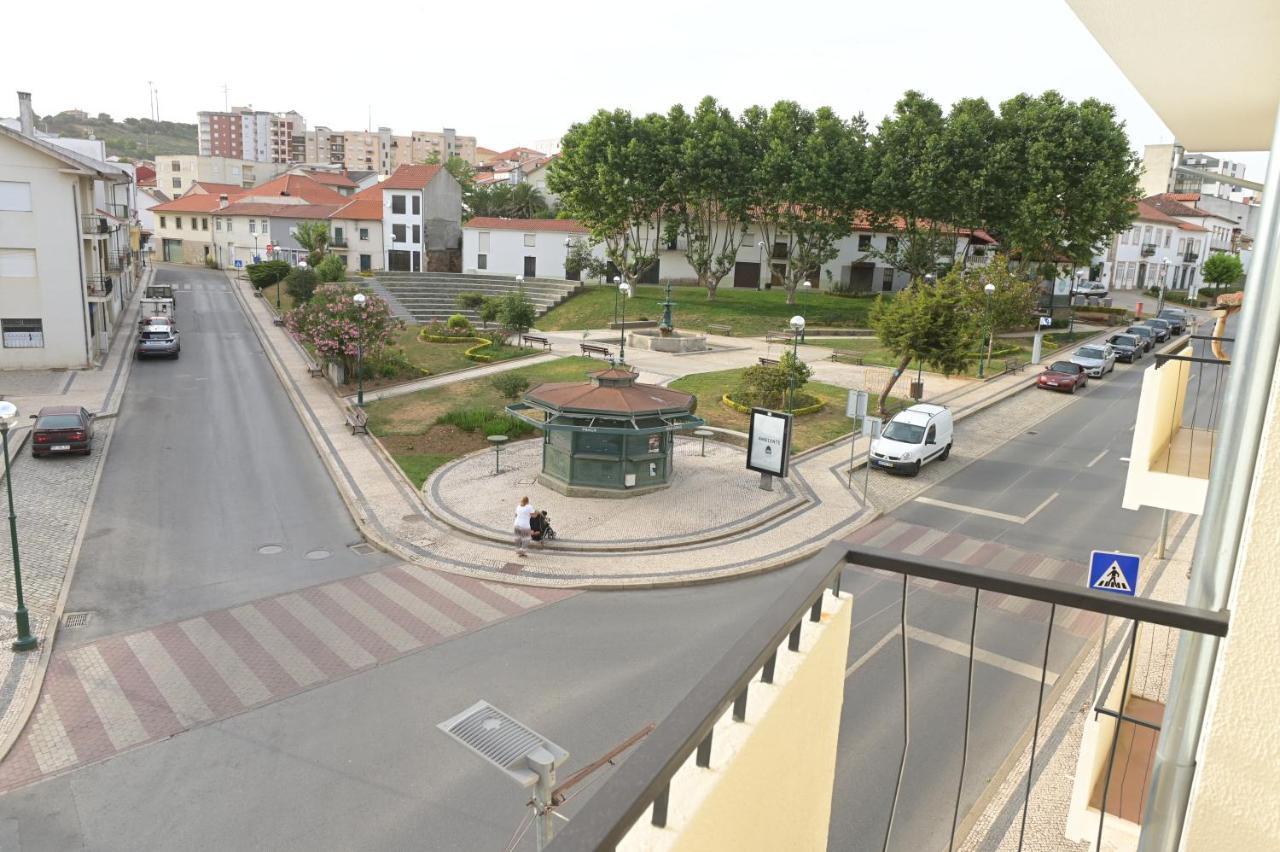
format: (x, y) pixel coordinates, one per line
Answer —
(159, 339)
(1097, 360)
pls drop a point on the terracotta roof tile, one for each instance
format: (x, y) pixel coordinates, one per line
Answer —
(494, 223)
(298, 186)
(331, 179)
(411, 177)
(189, 204)
(282, 211)
(205, 187)
(364, 205)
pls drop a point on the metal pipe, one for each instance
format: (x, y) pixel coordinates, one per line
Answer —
(1221, 528)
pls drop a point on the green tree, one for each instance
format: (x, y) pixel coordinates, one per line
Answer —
(581, 261)
(470, 300)
(489, 310)
(526, 202)
(1013, 302)
(516, 313)
(1221, 268)
(712, 182)
(313, 236)
(807, 182)
(930, 323)
(267, 273)
(331, 268)
(1060, 179)
(300, 284)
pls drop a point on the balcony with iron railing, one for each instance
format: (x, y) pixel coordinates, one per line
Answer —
(740, 764)
(1190, 257)
(96, 225)
(1148, 249)
(118, 210)
(98, 286)
(338, 241)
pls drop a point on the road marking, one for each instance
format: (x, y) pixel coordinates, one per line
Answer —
(1124, 458)
(117, 715)
(988, 513)
(945, 643)
(1097, 458)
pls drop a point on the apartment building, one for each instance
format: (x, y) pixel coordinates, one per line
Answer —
(176, 173)
(248, 134)
(1160, 172)
(67, 248)
(384, 151)
(421, 219)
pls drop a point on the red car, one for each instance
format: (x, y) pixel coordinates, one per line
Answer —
(1063, 376)
(61, 430)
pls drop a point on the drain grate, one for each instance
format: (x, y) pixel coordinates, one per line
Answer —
(362, 548)
(72, 620)
(500, 740)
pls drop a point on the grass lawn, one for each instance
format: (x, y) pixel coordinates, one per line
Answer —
(807, 431)
(750, 313)
(269, 295)
(407, 426)
(432, 359)
(874, 353)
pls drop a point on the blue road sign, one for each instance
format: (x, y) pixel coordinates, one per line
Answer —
(239, 263)
(1113, 572)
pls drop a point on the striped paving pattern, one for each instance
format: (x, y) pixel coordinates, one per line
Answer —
(123, 691)
(917, 540)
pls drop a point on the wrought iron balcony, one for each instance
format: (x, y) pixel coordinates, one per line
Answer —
(1191, 257)
(117, 261)
(98, 285)
(95, 224)
(120, 211)
(642, 786)
(338, 242)
(1149, 249)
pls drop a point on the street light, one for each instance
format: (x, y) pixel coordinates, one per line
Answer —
(990, 290)
(625, 290)
(807, 285)
(25, 641)
(797, 330)
(617, 282)
(359, 299)
(1164, 274)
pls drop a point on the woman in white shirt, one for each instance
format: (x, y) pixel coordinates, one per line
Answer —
(523, 511)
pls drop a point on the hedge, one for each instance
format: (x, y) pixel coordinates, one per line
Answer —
(746, 409)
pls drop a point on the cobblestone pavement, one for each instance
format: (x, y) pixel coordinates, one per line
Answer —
(120, 692)
(999, 825)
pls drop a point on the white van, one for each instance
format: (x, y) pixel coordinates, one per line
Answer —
(913, 438)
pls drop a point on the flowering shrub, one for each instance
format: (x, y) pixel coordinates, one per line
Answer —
(335, 326)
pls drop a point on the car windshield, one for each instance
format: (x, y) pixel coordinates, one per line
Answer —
(1064, 367)
(1124, 340)
(58, 421)
(1091, 352)
(155, 335)
(1140, 331)
(907, 433)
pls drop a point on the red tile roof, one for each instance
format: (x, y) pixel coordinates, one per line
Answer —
(146, 175)
(1169, 206)
(410, 177)
(189, 204)
(282, 211)
(331, 179)
(1192, 197)
(364, 205)
(298, 186)
(205, 187)
(1163, 213)
(493, 223)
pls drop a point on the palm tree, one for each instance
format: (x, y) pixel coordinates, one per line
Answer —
(527, 202)
(313, 235)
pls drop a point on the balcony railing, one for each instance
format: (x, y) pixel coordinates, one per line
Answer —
(1149, 249)
(643, 782)
(117, 261)
(96, 225)
(98, 285)
(1191, 257)
(338, 242)
(120, 211)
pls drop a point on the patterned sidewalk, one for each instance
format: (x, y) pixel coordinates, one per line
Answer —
(124, 691)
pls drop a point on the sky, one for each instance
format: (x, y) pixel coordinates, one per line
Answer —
(519, 73)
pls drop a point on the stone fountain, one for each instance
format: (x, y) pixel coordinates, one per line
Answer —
(665, 338)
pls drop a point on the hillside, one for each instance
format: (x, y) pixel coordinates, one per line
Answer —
(132, 137)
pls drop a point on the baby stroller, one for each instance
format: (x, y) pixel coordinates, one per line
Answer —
(540, 529)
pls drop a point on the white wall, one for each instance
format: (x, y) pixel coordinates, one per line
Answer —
(507, 251)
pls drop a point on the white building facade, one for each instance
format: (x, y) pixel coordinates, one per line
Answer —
(421, 219)
(175, 173)
(1157, 250)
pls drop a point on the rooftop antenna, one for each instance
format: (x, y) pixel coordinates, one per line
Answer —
(226, 102)
(368, 127)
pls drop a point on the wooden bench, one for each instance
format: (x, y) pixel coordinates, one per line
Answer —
(358, 420)
(277, 320)
(777, 337)
(847, 357)
(314, 370)
(720, 328)
(768, 362)
(533, 338)
(1013, 365)
(589, 348)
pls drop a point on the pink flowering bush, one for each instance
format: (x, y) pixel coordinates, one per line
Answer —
(335, 326)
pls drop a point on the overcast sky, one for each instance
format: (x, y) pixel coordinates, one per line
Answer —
(519, 73)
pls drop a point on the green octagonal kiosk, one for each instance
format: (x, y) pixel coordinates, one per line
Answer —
(609, 436)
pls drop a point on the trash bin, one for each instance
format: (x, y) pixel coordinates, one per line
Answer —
(917, 391)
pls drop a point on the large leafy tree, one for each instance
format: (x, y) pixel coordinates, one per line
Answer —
(1061, 178)
(1011, 303)
(1221, 268)
(711, 186)
(933, 323)
(807, 183)
(337, 327)
(615, 175)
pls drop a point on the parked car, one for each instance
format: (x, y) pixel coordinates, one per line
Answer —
(1177, 318)
(1128, 347)
(159, 339)
(1161, 328)
(1063, 376)
(913, 438)
(61, 430)
(1097, 360)
(1096, 289)
(1146, 332)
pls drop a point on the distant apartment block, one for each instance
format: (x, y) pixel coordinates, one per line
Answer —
(1160, 175)
(382, 150)
(247, 134)
(176, 173)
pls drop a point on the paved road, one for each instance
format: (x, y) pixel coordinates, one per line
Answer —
(208, 464)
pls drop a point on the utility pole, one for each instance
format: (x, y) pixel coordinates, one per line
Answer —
(226, 100)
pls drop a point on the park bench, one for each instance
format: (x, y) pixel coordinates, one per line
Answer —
(313, 369)
(1013, 365)
(846, 357)
(358, 420)
(777, 337)
(589, 348)
(768, 362)
(720, 328)
(533, 338)
(277, 320)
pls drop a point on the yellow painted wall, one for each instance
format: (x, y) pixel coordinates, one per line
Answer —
(1235, 803)
(775, 792)
(1160, 409)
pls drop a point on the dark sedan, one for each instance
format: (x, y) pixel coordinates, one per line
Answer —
(61, 430)
(1063, 376)
(1146, 332)
(1161, 329)
(1128, 347)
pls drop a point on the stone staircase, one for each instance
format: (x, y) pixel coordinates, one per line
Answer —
(425, 297)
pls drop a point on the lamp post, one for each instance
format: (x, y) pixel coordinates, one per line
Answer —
(617, 283)
(25, 641)
(797, 329)
(359, 299)
(807, 285)
(1071, 303)
(625, 289)
(760, 245)
(1164, 274)
(990, 290)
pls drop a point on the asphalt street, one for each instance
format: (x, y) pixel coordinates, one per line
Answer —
(208, 465)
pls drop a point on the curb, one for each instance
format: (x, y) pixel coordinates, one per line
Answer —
(55, 618)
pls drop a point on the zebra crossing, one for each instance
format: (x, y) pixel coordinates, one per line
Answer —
(120, 692)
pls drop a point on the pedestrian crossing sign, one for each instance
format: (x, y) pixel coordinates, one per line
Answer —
(1113, 572)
